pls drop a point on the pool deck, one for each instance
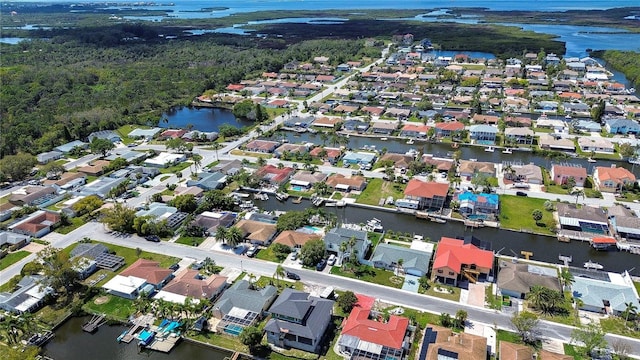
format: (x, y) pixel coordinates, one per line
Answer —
(164, 344)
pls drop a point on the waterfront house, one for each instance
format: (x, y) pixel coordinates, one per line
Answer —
(550, 142)
(100, 254)
(622, 126)
(104, 134)
(478, 204)
(597, 145)
(172, 134)
(188, 283)
(440, 164)
(68, 147)
(273, 175)
(210, 220)
(329, 154)
(516, 279)
(298, 320)
(560, 174)
(586, 126)
(399, 161)
(165, 159)
(485, 119)
(606, 293)
(529, 173)
(470, 169)
(48, 156)
(326, 122)
(28, 295)
(257, 232)
(291, 149)
(624, 222)
(150, 271)
(483, 134)
(457, 260)
(544, 122)
(295, 239)
(414, 261)
(242, 305)
(336, 236)
(352, 125)
(425, 195)
(383, 127)
(447, 129)
(340, 182)
(359, 158)
(37, 224)
(612, 179)
(519, 135)
(128, 287)
(306, 179)
(365, 336)
(228, 167)
(442, 343)
(196, 135)
(209, 180)
(587, 219)
(146, 134)
(517, 121)
(262, 146)
(415, 130)
(297, 121)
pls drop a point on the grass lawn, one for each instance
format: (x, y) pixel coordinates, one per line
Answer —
(281, 284)
(504, 335)
(247, 153)
(176, 168)
(572, 351)
(4, 199)
(455, 296)
(223, 341)
(374, 237)
(190, 240)
(130, 256)
(114, 307)
(11, 284)
(515, 214)
(616, 325)
(379, 189)
(372, 275)
(268, 255)
(13, 258)
(495, 302)
(76, 222)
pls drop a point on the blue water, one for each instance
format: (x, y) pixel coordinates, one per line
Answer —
(202, 119)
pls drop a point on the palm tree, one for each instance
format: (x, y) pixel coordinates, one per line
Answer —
(535, 296)
(261, 161)
(197, 161)
(566, 278)
(280, 273)
(222, 233)
(577, 193)
(324, 137)
(234, 236)
(631, 309)
(343, 249)
(216, 146)
(399, 264)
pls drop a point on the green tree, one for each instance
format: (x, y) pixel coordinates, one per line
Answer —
(119, 218)
(234, 236)
(279, 274)
(526, 325)
(17, 167)
(291, 220)
(221, 234)
(598, 111)
(446, 320)
(630, 311)
(460, 319)
(101, 146)
(537, 215)
(251, 336)
(87, 205)
(185, 203)
(312, 252)
(626, 150)
(176, 144)
(577, 193)
(566, 278)
(346, 301)
(57, 270)
(590, 336)
(281, 251)
(52, 170)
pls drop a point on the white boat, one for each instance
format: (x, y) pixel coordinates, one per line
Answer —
(384, 139)
(591, 160)
(507, 151)
(473, 160)
(374, 225)
(410, 142)
(489, 149)
(593, 265)
(634, 161)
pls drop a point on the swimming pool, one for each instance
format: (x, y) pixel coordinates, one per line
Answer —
(312, 229)
(233, 329)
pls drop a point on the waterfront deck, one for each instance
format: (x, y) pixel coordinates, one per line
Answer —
(139, 323)
(92, 325)
(164, 344)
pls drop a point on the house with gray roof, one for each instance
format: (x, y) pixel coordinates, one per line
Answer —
(414, 262)
(608, 293)
(147, 134)
(101, 186)
(337, 236)
(624, 223)
(28, 296)
(104, 134)
(209, 181)
(586, 126)
(48, 156)
(517, 279)
(127, 154)
(242, 305)
(13, 239)
(228, 167)
(586, 219)
(298, 321)
(622, 126)
(483, 134)
(158, 210)
(68, 147)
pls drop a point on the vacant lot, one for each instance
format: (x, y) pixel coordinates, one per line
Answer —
(515, 214)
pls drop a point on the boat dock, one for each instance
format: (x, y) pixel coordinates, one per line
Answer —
(565, 259)
(297, 201)
(92, 325)
(138, 324)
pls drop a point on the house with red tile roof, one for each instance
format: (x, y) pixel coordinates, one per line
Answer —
(429, 195)
(172, 134)
(484, 119)
(612, 179)
(445, 129)
(189, 284)
(396, 160)
(456, 260)
(37, 224)
(263, 146)
(342, 183)
(366, 336)
(295, 239)
(328, 122)
(235, 87)
(330, 154)
(415, 130)
(325, 78)
(560, 174)
(150, 271)
(273, 175)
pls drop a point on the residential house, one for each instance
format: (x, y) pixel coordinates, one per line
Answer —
(211, 220)
(517, 121)
(519, 135)
(383, 127)
(273, 175)
(544, 122)
(516, 279)
(483, 134)
(399, 161)
(130, 156)
(587, 219)
(624, 222)
(104, 134)
(172, 134)
(596, 145)
(13, 240)
(470, 169)
(94, 168)
(331, 155)
(68, 147)
(150, 271)
(364, 336)
(262, 146)
(440, 343)
(622, 126)
(242, 305)
(188, 283)
(424, 195)
(128, 287)
(146, 134)
(415, 130)
(291, 149)
(209, 180)
(297, 121)
(352, 125)
(298, 320)
(478, 204)
(158, 211)
(228, 167)
(196, 135)
(295, 239)
(458, 260)
(165, 159)
(612, 179)
(336, 236)
(32, 195)
(530, 173)
(414, 261)
(511, 351)
(447, 129)
(586, 126)
(326, 122)
(48, 156)
(101, 186)
(359, 158)
(485, 119)
(550, 142)
(27, 297)
(560, 174)
(440, 164)
(257, 232)
(306, 179)
(100, 254)
(340, 182)
(606, 293)
(38, 224)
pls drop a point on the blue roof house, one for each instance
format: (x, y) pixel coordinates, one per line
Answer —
(209, 181)
(483, 134)
(66, 148)
(359, 158)
(478, 204)
(622, 126)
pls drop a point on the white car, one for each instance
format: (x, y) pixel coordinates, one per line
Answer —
(332, 260)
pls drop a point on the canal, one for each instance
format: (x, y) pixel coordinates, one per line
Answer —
(71, 343)
(544, 248)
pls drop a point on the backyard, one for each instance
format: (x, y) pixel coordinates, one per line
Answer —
(115, 307)
(380, 189)
(515, 214)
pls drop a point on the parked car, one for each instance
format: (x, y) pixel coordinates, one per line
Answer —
(174, 267)
(321, 265)
(294, 255)
(293, 276)
(253, 250)
(521, 193)
(332, 260)
(152, 238)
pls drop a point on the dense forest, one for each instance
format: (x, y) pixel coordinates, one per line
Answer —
(627, 62)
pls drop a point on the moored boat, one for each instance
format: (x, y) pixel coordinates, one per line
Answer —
(593, 265)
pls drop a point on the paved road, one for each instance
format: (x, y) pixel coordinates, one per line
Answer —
(395, 296)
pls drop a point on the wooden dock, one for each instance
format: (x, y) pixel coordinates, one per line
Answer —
(565, 259)
(92, 325)
(164, 344)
